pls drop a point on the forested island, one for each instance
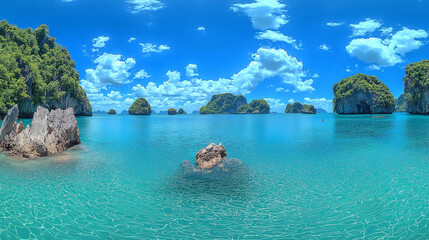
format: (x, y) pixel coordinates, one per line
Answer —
(36, 71)
(298, 107)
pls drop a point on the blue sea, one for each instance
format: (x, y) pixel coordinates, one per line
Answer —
(346, 177)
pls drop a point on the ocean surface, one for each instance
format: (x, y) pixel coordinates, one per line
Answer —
(346, 177)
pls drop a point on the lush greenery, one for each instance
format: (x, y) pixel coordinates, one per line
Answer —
(223, 103)
(33, 66)
(112, 112)
(181, 111)
(401, 104)
(361, 83)
(172, 111)
(140, 107)
(416, 81)
(255, 107)
(297, 107)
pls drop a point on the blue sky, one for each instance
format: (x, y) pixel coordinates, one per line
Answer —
(179, 53)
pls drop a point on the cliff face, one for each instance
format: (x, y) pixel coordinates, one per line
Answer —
(225, 103)
(362, 94)
(401, 104)
(36, 71)
(416, 87)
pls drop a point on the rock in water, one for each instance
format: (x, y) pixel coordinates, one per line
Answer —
(50, 133)
(362, 94)
(9, 122)
(210, 156)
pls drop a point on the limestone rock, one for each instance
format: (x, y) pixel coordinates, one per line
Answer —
(50, 133)
(208, 157)
(9, 122)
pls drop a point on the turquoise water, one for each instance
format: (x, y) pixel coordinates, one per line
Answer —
(345, 178)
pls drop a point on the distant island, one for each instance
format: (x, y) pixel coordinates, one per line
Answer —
(111, 112)
(362, 94)
(225, 103)
(255, 107)
(298, 107)
(172, 111)
(38, 72)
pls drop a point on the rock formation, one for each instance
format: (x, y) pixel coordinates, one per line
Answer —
(321, 110)
(112, 112)
(401, 104)
(297, 107)
(172, 111)
(181, 111)
(416, 87)
(225, 103)
(255, 107)
(212, 157)
(50, 133)
(140, 107)
(362, 94)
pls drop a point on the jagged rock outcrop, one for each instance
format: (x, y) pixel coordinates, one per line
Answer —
(416, 87)
(212, 157)
(50, 133)
(9, 122)
(225, 103)
(362, 94)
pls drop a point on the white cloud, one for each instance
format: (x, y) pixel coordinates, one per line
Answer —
(191, 70)
(374, 67)
(364, 27)
(320, 103)
(142, 74)
(196, 92)
(386, 31)
(334, 24)
(115, 95)
(291, 101)
(386, 52)
(324, 47)
(280, 89)
(149, 47)
(138, 6)
(276, 36)
(275, 104)
(201, 29)
(67, 1)
(111, 69)
(100, 41)
(264, 14)
(315, 75)
(132, 39)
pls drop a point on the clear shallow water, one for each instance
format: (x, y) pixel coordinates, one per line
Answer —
(346, 178)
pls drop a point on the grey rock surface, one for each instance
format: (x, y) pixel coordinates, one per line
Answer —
(8, 122)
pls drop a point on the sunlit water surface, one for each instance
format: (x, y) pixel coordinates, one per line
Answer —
(345, 178)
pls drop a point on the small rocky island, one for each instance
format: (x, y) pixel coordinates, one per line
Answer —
(172, 111)
(211, 158)
(50, 133)
(255, 107)
(225, 103)
(111, 112)
(181, 111)
(416, 87)
(362, 94)
(298, 107)
(140, 107)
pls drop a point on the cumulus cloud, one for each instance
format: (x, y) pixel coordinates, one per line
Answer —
(264, 14)
(386, 31)
(137, 6)
(111, 69)
(132, 39)
(291, 101)
(193, 93)
(142, 74)
(191, 70)
(334, 24)
(149, 48)
(275, 104)
(320, 103)
(115, 95)
(276, 36)
(315, 75)
(365, 27)
(201, 29)
(100, 41)
(387, 52)
(324, 47)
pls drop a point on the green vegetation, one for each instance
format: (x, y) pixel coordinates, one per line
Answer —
(112, 112)
(416, 81)
(181, 111)
(33, 65)
(361, 83)
(297, 107)
(172, 111)
(223, 104)
(255, 107)
(401, 104)
(140, 107)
